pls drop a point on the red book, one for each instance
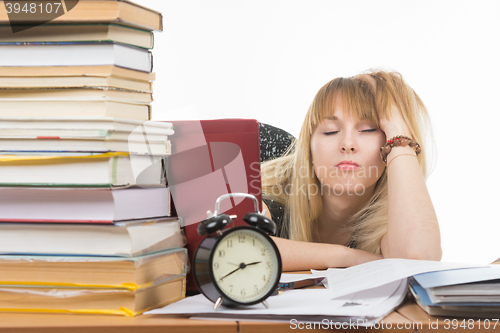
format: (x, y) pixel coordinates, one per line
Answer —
(211, 158)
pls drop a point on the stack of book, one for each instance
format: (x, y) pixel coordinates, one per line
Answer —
(84, 205)
(471, 292)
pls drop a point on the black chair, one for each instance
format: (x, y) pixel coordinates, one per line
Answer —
(273, 142)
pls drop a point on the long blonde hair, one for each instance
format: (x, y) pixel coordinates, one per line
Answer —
(284, 181)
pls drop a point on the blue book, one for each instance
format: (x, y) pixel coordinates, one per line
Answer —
(471, 285)
(456, 309)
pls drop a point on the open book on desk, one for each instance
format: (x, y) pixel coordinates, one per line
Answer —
(364, 293)
(311, 305)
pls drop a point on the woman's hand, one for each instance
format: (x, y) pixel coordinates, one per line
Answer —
(395, 124)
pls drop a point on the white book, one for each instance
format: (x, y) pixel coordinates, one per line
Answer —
(122, 239)
(74, 109)
(82, 205)
(82, 170)
(75, 94)
(140, 146)
(85, 123)
(91, 128)
(91, 54)
(85, 135)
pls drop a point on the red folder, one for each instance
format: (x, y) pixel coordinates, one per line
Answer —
(211, 158)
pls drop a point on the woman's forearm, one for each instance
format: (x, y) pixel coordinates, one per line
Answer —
(413, 230)
(299, 256)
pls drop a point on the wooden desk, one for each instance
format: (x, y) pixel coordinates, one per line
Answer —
(430, 324)
(409, 317)
(64, 323)
(263, 327)
(59, 323)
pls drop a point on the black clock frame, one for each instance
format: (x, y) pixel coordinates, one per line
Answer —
(203, 271)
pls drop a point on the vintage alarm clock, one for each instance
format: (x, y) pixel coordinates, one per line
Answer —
(239, 266)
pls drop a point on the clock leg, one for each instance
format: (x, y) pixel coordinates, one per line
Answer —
(265, 304)
(218, 303)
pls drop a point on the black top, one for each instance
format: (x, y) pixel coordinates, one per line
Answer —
(273, 142)
(277, 212)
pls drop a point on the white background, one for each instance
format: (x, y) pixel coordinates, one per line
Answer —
(267, 59)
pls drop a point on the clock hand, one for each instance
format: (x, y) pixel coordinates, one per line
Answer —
(253, 263)
(231, 263)
(242, 265)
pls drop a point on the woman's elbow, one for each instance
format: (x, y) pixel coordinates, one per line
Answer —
(435, 253)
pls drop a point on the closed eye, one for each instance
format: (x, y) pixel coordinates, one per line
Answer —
(369, 130)
(331, 133)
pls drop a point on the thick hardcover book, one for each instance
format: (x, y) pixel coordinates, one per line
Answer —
(211, 158)
(103, 82)
(92, 134)
(124, 239)
(79, 33)
(93, 271)
(82, 170)
(75, 109)
(75, 71)
(77, 94)
(76, 54)
(82, 205)
(117, 301)
(122, 12)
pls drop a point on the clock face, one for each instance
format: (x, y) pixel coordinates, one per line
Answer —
(245, 265)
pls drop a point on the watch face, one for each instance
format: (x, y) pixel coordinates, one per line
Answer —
(246, 266)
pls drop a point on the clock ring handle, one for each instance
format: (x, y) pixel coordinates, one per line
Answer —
(236, 195)
(256, 219)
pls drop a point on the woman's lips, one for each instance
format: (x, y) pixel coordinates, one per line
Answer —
(347, 165)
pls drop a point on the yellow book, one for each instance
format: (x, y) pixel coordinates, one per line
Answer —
(93, 271)
(118, 301)
(104, 82)
(67, 71)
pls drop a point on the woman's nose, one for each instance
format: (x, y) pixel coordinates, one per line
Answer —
(348, 144)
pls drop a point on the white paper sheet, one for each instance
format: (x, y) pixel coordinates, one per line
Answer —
(380, 272)
(303, 304)
(287, 278)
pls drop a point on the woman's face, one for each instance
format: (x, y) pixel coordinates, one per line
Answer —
(346, 154)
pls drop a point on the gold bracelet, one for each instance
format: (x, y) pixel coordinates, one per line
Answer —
(397, 157)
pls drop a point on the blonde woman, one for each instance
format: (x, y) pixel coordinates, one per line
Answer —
(336, 202)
